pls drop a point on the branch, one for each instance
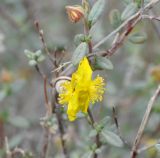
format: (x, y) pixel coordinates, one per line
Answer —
(155, 24)
(128, 25)
(62, 133)
(41, 35)
(45, 143)
(2, 134)
(98, 142)
(147, 147)
(125, 23)
(58, 112)
(144, 122)
(47, 106)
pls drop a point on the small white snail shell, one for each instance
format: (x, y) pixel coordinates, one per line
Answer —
(59, 82)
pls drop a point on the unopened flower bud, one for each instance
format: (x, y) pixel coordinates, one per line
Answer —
(6, 76)
(155, 73)
(75, 13)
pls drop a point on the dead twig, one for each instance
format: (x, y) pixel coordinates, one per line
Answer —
(144, 123)
(41, 35)
(97, 138)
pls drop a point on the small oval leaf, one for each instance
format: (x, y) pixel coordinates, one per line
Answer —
(115, 18)
(28, 54)
(129, 11)
(32, 63)
(79, 38)
(96, 11)
(138, 38)
(93, 133)
(20, 122)
(157, 146)
(112, 138)
(79, 53)
(103, 63)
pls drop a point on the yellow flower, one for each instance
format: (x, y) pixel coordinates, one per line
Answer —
(81, 90)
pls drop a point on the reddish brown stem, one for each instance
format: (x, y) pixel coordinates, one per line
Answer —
(2, 134)
(98, 142)
(41, 35)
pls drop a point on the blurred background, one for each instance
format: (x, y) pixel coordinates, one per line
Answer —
(130, 84)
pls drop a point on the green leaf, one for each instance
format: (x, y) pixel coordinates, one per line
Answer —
(32, 63)
(79, 39)
(138, 38)
(126, 2)
(4, 115)
(112, 138)
(139, 2)
(79, 53)
(129, 11)
(28, 54)
(2, 95)
(28, 155)
(88, 154)
(41, 58)
(98, 151)
(115, 18)
(19, 122)
(96, 11)
(105, 120)
(2, 153)
(38, 53)
(93, 133)
(15, 141)
(103, 63)
(157, 146)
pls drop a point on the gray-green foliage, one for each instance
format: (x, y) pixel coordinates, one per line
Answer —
(96, 11)
(129, 11)
(115, 18)
(79, 53)
(34, 57)
(103, 63)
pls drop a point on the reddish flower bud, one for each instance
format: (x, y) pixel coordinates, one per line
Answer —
(75, 13)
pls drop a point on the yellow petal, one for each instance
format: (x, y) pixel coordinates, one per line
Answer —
(73, 107)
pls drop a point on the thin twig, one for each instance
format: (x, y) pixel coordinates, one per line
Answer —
(7, 149)
(98, 142)
(121, 38)
(62, 133)
(2, 134)
(147, 147)
(155, 24)
(115, 118)
(45, 143)
(114, 113)
(40, 31)
(59, 115)
(48, 112)
(151, 17)
(86, 31)
(144, 123)
(47, 105)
